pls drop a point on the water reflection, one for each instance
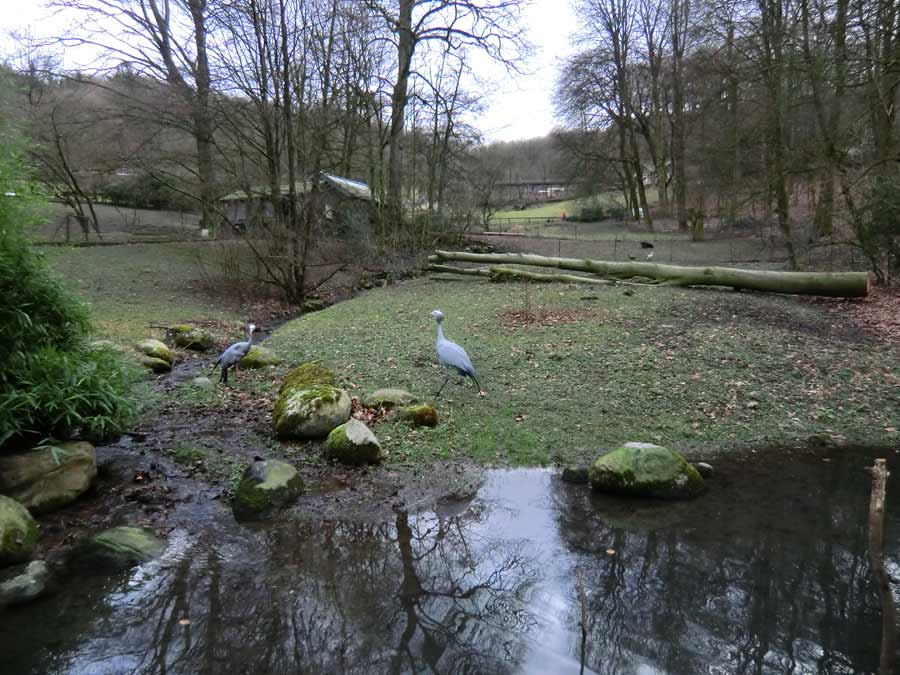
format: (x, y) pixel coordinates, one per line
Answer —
(766, 574)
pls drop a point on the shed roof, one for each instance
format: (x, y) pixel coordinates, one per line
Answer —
(346, 186)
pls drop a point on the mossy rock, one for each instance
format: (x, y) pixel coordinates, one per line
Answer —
(646, 470)
(353, 443)
(29, 584)
(155, 349)
(203, 383)
(120, 548)
(305, 376)
(389, 398)
(266, 486)
(191, 337)
(50, 477)
(424, 415)
(310, 413)
(155, 365)
(18, 532)
(259, 357)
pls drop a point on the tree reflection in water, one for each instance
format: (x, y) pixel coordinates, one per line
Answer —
(768, 573)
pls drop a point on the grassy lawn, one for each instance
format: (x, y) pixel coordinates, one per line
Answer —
(696, 369)
(570, 206)
(133, 287)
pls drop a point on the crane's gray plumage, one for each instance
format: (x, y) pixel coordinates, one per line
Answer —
(451, 355)
(231, 356)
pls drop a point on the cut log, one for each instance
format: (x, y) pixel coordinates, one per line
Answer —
(830, 284)
(510, 274)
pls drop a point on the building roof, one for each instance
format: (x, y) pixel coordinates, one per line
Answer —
(346, 186)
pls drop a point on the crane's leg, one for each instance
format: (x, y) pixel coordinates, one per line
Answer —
(446, 380)
(223, 377)
(475, 379)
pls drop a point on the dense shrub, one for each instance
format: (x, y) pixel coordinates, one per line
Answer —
(50, 384)
(878, 227)
(143, 191)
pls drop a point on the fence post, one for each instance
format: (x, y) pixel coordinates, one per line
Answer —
(616, 247)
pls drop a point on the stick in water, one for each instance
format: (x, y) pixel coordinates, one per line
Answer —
(876, 553)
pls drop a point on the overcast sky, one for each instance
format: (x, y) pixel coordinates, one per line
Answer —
(518, 106)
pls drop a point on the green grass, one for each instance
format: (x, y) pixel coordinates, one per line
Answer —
(133, 287)
(701, 370)
(571, 206)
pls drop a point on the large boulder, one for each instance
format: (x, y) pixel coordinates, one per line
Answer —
(191, 337)
(259, 357)
(18, 532)
(389, 398)
(27, 585)
(353, 443)
(305, 376)
(646, 470)
(264, 487)
(155, 365)
(50, 477)
(310, 413)
(120, 548)
(156, 350)
(424, 415)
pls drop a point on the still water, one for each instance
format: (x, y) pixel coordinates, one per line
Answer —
(766, 573)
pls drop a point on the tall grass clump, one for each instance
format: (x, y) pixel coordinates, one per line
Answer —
(51, 384)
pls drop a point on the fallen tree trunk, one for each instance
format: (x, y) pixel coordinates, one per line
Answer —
(831, 284)
(509, 274)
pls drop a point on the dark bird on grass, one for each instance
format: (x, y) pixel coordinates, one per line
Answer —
(632, 257)
(231, 356)
(451, 355)
(646, 244)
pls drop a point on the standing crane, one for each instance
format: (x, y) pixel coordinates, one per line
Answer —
(231, 356)
(451, 355)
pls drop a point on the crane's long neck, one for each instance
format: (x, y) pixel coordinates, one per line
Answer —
(250, 337)
(440, 337)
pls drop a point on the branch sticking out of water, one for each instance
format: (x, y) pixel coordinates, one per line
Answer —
(582, 599)
(876, 553)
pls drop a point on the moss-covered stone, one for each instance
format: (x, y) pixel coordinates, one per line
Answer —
(305, 376)
(18, 532)
(353, 443)
(155, 349)
(424, 415)
(120, 548)
(310, 413)
(50, 477)
(27, 585)
(646, 470)
(155, 365)
(259, 357)
(266, 486)
(389, 398)
(191, 337)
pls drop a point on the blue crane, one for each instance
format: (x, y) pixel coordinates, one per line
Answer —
(231, 356)
(451, 355)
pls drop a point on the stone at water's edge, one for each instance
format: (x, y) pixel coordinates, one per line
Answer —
(305, 376)
(26, 586)
(646, 470)
(155, 349)
(259, 357)
(353, 443)
(203, 383)
(50, 477)
(420, 415)
(704, 469)
(18, 532)
(389, 398)
(191, 337)
(310, 413)
(156, 365)
(266, 486)
(119, 548)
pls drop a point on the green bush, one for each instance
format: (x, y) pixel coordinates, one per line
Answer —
(50, 384)
(878, 227)
(143, 191)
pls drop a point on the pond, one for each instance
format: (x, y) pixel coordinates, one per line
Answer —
(766, 573)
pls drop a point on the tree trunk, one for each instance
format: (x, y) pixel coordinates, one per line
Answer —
(399, 98)
(832, 284)
(203, 124)
(679, 21)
